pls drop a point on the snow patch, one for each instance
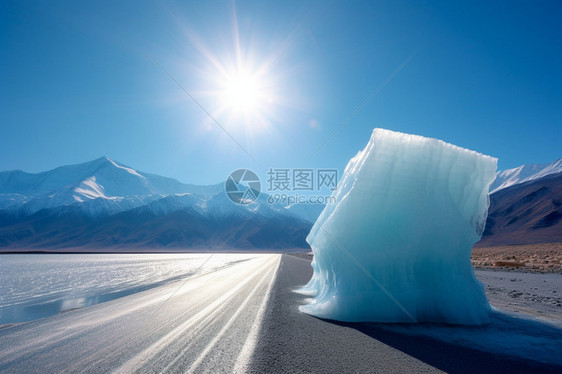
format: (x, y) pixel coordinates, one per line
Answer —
(128, 170)
(90, 189)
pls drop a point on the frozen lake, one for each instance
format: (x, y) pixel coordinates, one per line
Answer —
(39, 285)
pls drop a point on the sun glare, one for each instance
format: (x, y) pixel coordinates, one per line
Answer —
(243, 89)
(246, 96)
(242, 93)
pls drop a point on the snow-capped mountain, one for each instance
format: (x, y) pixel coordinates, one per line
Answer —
(526, 213)
(524, 173)
(105, 204)
(99, 186)
(525, 206)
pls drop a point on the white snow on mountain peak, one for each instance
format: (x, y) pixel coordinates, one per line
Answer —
(101, 185)
(89, 189)
(129, 170)
(105, 186)
(524, 173)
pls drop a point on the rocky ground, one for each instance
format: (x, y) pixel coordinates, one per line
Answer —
(531, 257)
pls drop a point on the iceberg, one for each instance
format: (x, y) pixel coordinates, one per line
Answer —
(396, 245)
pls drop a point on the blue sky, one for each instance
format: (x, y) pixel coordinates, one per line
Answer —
(79, 80)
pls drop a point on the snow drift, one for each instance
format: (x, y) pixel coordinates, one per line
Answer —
(396, 246)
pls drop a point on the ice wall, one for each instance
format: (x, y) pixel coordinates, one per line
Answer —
(396, 246)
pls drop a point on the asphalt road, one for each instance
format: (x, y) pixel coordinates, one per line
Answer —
(293, 342)
(209, 324)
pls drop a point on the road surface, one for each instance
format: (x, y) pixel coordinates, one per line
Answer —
(208, 323)
(293, 342)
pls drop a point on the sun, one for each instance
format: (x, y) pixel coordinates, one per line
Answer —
(243, 93)
(241, 88)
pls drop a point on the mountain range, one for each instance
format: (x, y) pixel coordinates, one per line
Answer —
(524, 173)
(105, 205)
(528, 212)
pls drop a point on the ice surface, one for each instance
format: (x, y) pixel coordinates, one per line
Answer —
(396, 246)
(38, 285)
